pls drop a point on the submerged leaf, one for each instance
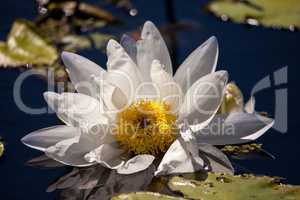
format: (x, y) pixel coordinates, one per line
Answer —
(220, 187)
(25, 46)
(269, 13)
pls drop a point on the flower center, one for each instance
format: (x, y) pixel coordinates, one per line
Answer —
(146, 127)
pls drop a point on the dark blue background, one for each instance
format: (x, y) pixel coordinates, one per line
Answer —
(248, 53)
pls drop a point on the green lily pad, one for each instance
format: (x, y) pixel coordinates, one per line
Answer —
(25, 46)
(220, 187)
(269, 13)
(145, 196)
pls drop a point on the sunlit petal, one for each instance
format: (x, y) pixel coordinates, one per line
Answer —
(136, 164)
(46, 137)
(234, 128)
(203, 99)
(169, 91)
(76, 109)
(200, 62)
(152, 47)
(80, 70)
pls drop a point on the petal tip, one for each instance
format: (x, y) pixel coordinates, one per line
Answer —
(67, 56)
(222, 74)
(50, 95)
(213, 39)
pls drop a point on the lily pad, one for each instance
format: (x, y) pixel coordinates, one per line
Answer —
(70, 7)
(75, 42)
(220, 187)
(25, 46)
(246, 151)
(145, 196)
(269, 13)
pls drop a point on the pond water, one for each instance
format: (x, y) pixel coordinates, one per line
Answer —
(247, 53)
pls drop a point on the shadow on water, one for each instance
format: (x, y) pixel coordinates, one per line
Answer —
(248, 53)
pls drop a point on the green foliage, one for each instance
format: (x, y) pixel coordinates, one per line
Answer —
(269, 13)
(227, 187)
(25, 46)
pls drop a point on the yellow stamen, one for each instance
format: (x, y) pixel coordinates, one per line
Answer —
(146, 127)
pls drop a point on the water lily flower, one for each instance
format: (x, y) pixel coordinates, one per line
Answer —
(137, 113)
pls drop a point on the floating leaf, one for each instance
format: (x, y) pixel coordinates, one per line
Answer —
(246, 151)
(88, 24)
(25, 46)
(70, 7)
(269, 13)
(145, 196)
(54, 29)
(75, 42)
(220, 187)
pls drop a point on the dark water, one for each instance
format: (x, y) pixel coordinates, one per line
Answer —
(248, 53)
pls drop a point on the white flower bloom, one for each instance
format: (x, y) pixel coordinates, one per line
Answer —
(137, 111)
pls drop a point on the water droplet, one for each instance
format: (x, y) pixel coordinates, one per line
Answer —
(292, 28)
(42, 10)
(224, 17)
(223, 179)
(252, 22)
(133, 12)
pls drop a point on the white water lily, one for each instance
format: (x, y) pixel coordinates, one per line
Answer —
(139, 89)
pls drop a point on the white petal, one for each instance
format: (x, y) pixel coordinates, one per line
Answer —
(70, 152)
(200, 62)
(216, 160)
(117, 56)
(123, 72)
(112, 96)
(250, 105)
(44, 138)
(136, 164)
(152, 47)
(268, 124)
(107, 154)
(235, 128)
(80, 70)
(129, 44)
(177, 160)
(190, 144)
(76, 109)
(170, 92)
(203, 99)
